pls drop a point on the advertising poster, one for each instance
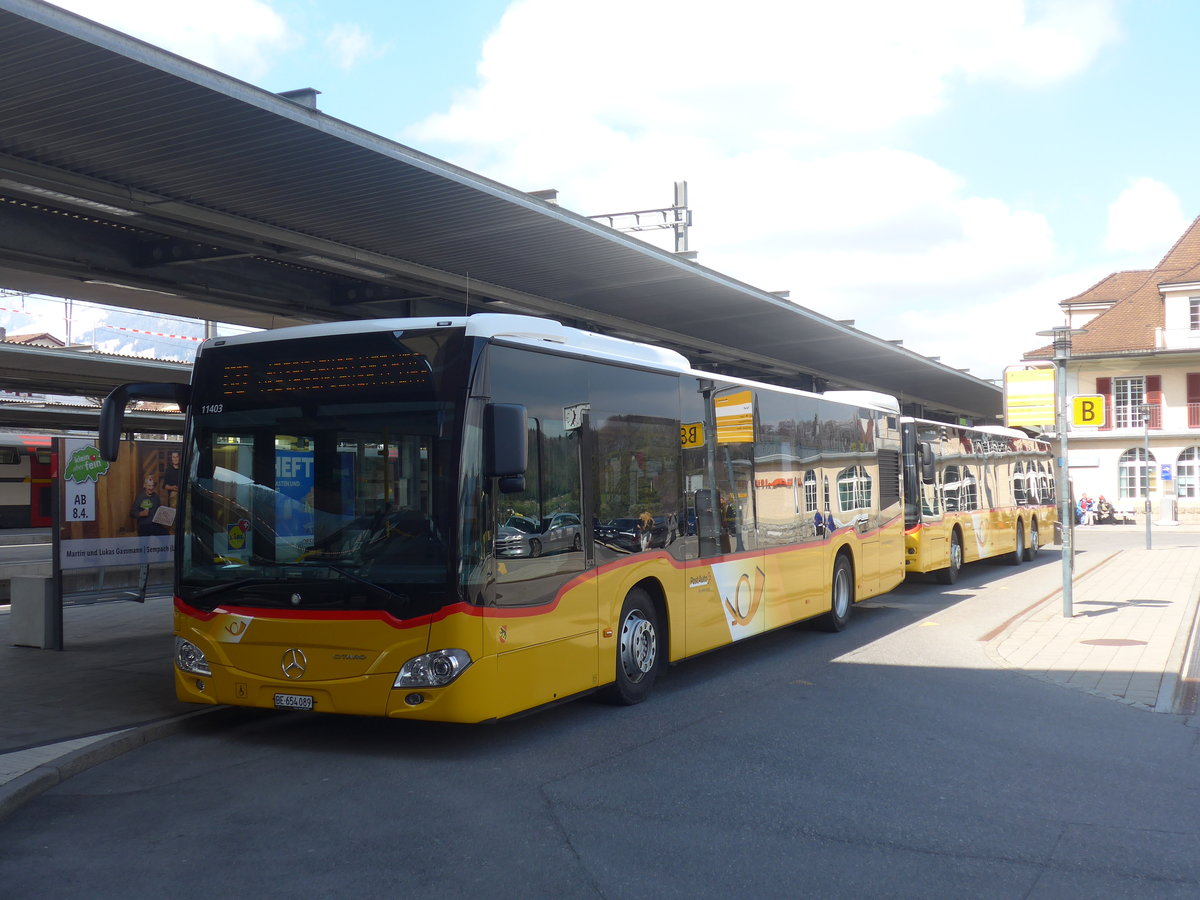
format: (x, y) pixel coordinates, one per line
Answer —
(294, 482)
(118, 514)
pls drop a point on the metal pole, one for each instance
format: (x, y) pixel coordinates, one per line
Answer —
(1066, 515)
(59, 449)
(683, 217)
(1146, 469)
(1062, 336)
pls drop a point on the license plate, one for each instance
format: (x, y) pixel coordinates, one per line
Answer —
(293, 701)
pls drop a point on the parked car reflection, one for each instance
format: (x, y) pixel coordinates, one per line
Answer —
(624, 533)
(522, 536)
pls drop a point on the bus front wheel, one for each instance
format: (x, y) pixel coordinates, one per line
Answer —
(841, 597)
(949, 575)
(639, 650)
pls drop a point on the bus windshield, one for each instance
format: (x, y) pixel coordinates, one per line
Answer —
(321, 474)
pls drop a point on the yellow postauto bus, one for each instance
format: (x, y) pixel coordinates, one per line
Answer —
(461, 519)
(973, 493)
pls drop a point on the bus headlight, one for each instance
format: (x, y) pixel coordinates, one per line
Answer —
(190, 658)
(433, 669)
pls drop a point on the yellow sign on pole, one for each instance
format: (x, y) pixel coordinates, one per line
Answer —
(735, 418)
(1029, 396)
(1087, 410)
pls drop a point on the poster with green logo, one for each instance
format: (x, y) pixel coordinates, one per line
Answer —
(118, 514)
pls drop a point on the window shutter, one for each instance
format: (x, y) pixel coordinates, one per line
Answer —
(1154, 399)
(1193, 399)
(1104, 388)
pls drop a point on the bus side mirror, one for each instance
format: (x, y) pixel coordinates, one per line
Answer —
(928, 463)
(112, 412)
(506, 445)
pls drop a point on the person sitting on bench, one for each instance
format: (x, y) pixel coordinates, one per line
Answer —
(1105, 513)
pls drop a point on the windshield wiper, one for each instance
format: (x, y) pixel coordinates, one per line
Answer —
(230, 586)
(377, 590)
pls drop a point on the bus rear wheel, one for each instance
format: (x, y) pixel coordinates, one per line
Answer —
(639, 650)
(949, 575)
(841, 597)
(1034, 541)
(1018, 554)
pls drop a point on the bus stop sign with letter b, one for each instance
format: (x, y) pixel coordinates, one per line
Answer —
(1087, 410)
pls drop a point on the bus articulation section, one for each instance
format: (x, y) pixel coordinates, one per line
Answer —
(466, 518)
(972, 494)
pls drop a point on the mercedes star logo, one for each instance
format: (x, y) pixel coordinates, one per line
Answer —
(294, 663)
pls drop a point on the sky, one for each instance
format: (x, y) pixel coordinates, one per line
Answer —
(942, 172)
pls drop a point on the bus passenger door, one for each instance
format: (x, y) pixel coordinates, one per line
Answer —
(727, 579)
(542, 624)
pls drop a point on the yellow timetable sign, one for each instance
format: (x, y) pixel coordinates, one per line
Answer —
(1087, 410)
(735, 418)
(1028, 397)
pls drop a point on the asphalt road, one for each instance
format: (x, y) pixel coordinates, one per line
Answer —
(892, 760)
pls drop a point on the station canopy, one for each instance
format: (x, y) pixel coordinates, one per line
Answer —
(133, 177)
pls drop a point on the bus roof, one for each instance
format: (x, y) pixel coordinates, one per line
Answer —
(522, 329)
(535, 331)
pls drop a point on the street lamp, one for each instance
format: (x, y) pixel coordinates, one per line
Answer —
(1062, 336)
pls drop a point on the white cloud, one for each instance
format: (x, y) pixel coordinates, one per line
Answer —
(1009, 45)
(1146, 218)
(785, 120)
(350, 45)
(238, 37)
(794, 71)
(996, 328)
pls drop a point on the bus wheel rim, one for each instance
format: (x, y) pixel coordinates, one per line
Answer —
(841, 593)
(639, 646)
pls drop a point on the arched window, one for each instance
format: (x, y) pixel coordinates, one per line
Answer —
(1185, 472)
(1018, 481)
(854, 488)
(1046, 481)
(1135, 477)
(970, 491)
(810, 491)
(951, 488)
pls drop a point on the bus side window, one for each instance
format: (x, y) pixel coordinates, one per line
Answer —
(951, 489)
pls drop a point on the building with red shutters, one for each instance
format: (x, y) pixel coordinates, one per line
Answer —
(1140, 351)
